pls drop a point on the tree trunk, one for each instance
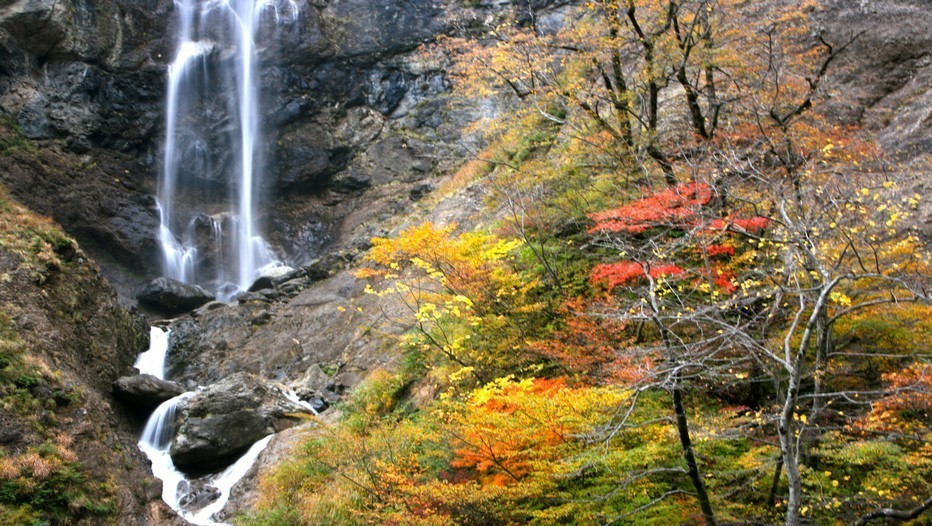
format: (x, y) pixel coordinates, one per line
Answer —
(775, 484)
(790, 452)
(810, 438)
(682, 427)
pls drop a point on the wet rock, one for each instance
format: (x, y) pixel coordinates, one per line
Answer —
(314, 380)
(313, 389)
(245, 494)
(264, 282)
(195, 494)
(145, 391)
(272, 277)
(171, 296)
(318, 404)
(219, 423)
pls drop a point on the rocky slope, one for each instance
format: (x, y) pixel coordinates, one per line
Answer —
(65, 445)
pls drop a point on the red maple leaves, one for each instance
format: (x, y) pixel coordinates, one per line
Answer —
(684, 207)
(671, 207)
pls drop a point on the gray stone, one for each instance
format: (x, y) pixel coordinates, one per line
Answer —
(171, 296)
(145, 391)
(219, 423)
(314, 380)
(419, 190)
(153, 487)
(272, 277)
(195, 494)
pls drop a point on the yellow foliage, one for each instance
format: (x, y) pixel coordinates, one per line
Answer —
(469, 305)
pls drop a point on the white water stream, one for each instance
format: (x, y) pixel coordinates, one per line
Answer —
(212, 120)
(153, 361)
(155, 442)
(216, 61)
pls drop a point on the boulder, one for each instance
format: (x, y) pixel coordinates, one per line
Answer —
(420, 190)
(221, 422)
(271, 277)
(171, 296)
(314, 381)
(195, 494)
(145, 391)
(318, 404)
(325, 266)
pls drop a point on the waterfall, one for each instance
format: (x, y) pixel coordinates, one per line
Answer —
(212, 143)
(152, 361)
(155, 443)
(225, 481)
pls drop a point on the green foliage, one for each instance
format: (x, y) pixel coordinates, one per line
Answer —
(40, 245)
(375, 398)
(12, 139)
(17, 377)
(19, 515)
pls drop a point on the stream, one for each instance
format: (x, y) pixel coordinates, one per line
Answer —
(178, 491)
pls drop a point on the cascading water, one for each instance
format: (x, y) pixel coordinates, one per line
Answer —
(155, 442)
(208, 197)
(212, 140)
(153, 361)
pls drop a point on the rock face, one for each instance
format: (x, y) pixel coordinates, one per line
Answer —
(883, 81)
(355, 118)
(222, 421)
(171, 296)
(145, 391)
(65, 340)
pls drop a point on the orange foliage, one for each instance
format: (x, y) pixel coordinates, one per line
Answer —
(614, 274)
(724, 279)
(719, 250)
(673, 207)
(909, 405)
(589, 344)
(512, 429)
(754, 225)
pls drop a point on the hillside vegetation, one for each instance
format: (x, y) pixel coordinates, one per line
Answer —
(696, 296)
(63, 339)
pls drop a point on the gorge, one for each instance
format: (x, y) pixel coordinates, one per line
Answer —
(250, 150)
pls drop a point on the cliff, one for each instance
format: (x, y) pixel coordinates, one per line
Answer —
(66, 448)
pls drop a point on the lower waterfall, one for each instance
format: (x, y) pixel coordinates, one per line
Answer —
(155, 443)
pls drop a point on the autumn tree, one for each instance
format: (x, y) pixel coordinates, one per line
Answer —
(644, 84)
(680, 263)
(473, 309)
(701, 299)
(766, 284)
